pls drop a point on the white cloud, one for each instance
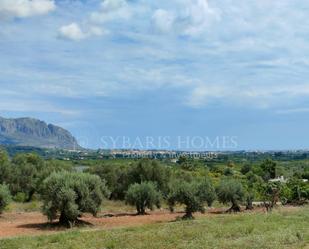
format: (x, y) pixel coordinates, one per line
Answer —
(242, 53)
(72, 32)
(163, 20)
(200, 16)
(109, 10)
(258, 96)
(25, 8)
(190, 17)
(75, 33)
(112, 10)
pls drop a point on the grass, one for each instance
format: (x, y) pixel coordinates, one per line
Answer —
(283, 228)
(32, 206)
(36, 206)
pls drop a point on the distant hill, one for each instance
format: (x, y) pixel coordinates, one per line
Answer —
(36, 133)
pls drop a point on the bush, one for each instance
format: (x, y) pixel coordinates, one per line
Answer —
(193, 195)
(5, 197)
(231, 191)
(70, 195)
(142, 196)
(20, 197)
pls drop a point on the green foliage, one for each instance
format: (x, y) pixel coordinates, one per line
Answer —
(297, 191)
(116, 178)
(270, 193)
(5, 197)
(20, 197)
(24, 180)
(231, 191)
(150, 170)
(228, 171)
(268, 169)
(246, 168)
(27, 171)
(143, 195)
(193, 195)
(5, 172)
(206, 191)
(119, 177)
(71, 194)
(4, 158)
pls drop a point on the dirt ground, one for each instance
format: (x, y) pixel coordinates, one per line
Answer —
(34, 223)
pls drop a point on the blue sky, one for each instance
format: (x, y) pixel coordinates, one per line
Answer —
(160, 68)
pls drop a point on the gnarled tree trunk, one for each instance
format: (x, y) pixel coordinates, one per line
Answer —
(64, 221)
(234, 208)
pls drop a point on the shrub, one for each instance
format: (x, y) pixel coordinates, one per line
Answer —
(20, 197)
(5, 197)
(142, 196)
(193, 195)
(70, 195)
(231, 191)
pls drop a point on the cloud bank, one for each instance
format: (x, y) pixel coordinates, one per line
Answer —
(25, 8)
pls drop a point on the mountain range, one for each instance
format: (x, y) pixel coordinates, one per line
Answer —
(36, 133)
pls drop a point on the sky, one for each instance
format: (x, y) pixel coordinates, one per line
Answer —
(177, 68)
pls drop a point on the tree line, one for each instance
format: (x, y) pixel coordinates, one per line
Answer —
(144, 184)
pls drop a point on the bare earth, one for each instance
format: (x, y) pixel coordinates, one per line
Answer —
(34, 223)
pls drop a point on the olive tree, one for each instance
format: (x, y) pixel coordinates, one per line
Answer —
(4, 158)
(5, 173)
(143, 195)
(115, 176)
(194, 195)
(71, 194)
(270, 193)
(5, 197)
(231, 191)
(299, 191)
(152, 171)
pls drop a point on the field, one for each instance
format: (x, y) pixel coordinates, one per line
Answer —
(283, 228)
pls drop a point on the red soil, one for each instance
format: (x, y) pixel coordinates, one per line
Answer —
(34, 223)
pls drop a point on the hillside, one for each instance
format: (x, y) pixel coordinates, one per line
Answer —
(36, 133)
